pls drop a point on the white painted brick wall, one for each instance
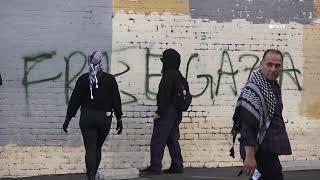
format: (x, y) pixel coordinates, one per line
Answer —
(205, 137)
(208, 136)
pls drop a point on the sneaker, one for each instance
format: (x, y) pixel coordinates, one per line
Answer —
(150, 171)
(173, 171)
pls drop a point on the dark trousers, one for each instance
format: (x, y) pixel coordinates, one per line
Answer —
(93, 138)
(268, 164)
(166, 132)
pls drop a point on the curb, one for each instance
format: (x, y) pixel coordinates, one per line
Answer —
(299, 165)
(107, 174)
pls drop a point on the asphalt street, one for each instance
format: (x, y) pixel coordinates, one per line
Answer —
(191, 174)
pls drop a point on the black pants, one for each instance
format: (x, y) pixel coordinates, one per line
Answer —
(166, 132)
(94, 134)
(268, 164)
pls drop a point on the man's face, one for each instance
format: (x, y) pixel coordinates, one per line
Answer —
(271, 66)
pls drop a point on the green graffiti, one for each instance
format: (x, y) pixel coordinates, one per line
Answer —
(232, 73)
(287, 71)
(67, 70)
(254, 64)
(35, 59)
(125, 71)
(134, 99)
(208, 78)
(30, 63)
(148, 76)
(209, 81)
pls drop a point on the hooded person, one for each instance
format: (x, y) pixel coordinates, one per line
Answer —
(170, 60)
(166, 118)
(97, 95)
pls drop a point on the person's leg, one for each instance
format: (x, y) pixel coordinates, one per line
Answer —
(161, 131)
(269, 166)
(90, 144)
(102, 135)
(174, 147)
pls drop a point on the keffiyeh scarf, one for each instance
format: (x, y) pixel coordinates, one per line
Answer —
(258, 98)
(94, 62)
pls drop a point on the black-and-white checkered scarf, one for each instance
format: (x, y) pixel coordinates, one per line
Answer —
(94, 62)
(258, 98)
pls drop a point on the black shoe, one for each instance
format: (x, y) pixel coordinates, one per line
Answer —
(150, 171)
(173, 171)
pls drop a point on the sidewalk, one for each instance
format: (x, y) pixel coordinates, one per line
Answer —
(192, 174)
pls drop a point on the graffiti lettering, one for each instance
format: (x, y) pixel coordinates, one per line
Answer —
(287, 71)
(221, 72)
(134, 99)
(208, 77)
(148, 92)
(254, 64)
(291, 72)
(67, 70)
(35, 59)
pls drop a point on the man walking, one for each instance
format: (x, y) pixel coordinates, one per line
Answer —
(258, 118)
(167, 118)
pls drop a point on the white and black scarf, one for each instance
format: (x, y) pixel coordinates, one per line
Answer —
(94, 62)
(258, 98)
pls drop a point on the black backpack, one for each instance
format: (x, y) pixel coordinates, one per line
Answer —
(183, 98)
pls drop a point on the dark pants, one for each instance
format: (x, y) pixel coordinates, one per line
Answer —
(268, 164)
(93, 138)
(166, 132)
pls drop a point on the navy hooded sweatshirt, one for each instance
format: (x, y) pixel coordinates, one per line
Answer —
(170, 78)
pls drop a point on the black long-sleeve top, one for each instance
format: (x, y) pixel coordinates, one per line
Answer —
(276, 139)
(105, 98)
(167, 89)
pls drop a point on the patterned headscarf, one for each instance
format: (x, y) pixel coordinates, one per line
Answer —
(94, 62)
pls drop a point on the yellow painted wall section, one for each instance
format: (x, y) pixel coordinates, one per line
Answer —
(317, 7)
(311, 78)
(149, 6)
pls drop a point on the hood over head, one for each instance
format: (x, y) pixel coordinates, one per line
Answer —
(171, 60)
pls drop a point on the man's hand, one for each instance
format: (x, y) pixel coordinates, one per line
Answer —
(119, 126)
(65, 126)
(249, 164)
(156, 116)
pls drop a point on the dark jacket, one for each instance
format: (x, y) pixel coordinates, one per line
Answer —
(106, 96)
(276, 139)
(170, 78)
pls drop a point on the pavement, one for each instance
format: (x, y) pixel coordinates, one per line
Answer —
(191, 174)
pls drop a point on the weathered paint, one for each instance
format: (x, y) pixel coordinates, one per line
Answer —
(44, 44)
(310, 105)
(150, 6)
(216, 57)
(255, 11)
(317, 7)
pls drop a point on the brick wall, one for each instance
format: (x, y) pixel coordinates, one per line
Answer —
(31, 114)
